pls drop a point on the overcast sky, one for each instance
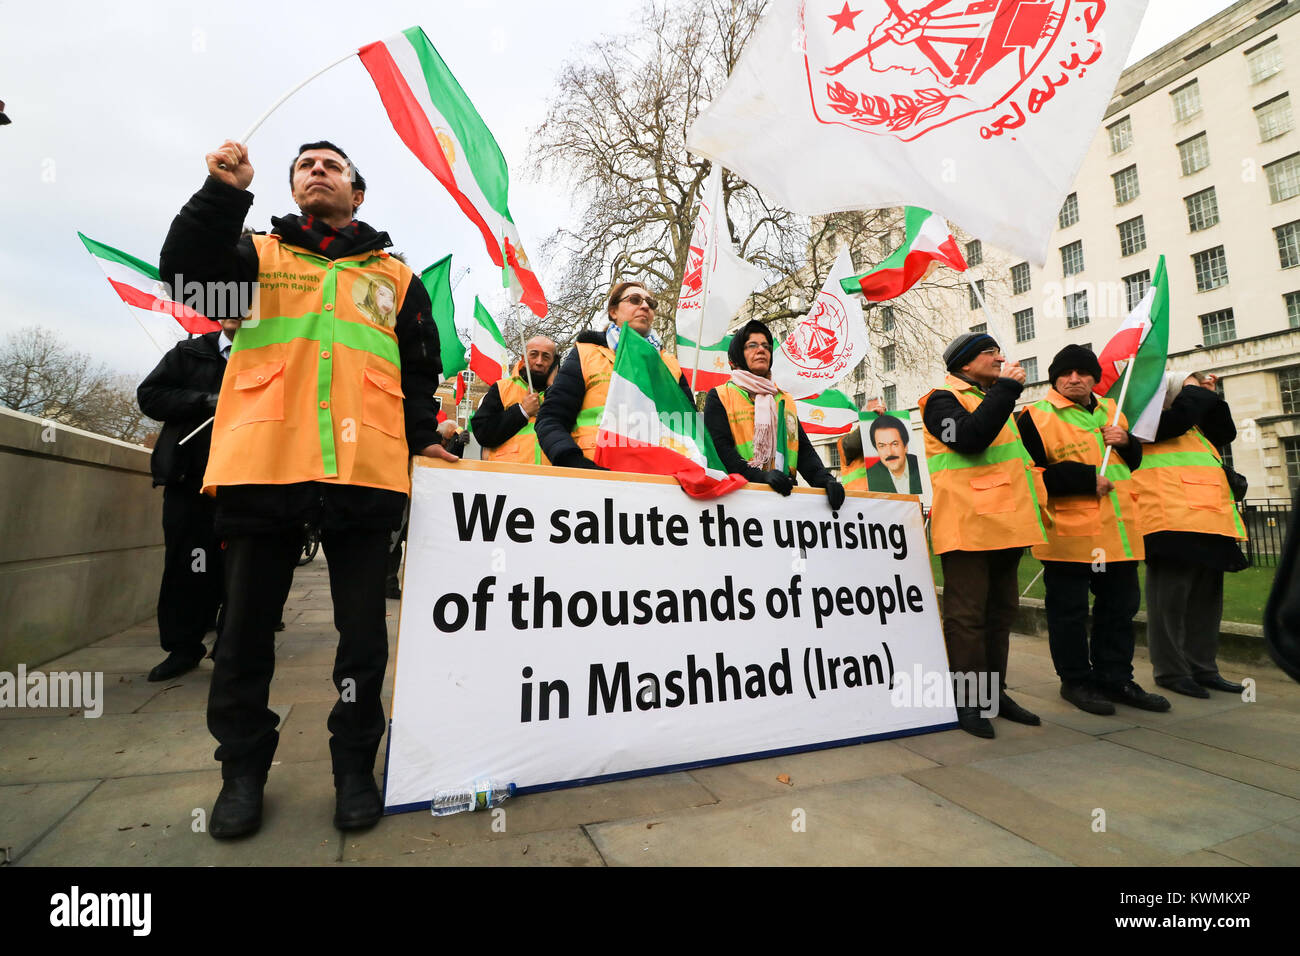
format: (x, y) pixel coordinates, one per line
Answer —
(114, 105)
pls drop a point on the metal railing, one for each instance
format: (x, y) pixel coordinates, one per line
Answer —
(1266, 521)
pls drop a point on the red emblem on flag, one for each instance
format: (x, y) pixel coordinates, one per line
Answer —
(905, 67)
(817, 342)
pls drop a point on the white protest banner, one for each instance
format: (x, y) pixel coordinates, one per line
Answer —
(562, 627)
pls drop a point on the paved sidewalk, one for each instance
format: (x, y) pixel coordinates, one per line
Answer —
(1214, 782)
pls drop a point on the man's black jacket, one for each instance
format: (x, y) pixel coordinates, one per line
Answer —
(182, 394)
(1071, 477)
(715, 420)
(493, 423)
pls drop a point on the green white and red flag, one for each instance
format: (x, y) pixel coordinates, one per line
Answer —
(439, 124)
(1141, 349)
(139, 285)
(437, 282)
(460, 394)
(489, 356)
(715, 367)
(828, 413)
(649, 427)
(928, 244)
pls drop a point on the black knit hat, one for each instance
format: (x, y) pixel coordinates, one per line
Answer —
(1074, 358)
(736, 350)
(965, 347)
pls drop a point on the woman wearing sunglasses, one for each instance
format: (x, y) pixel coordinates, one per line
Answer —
(568, 420)
(755, 426)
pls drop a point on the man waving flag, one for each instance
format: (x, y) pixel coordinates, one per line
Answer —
(1140, 350)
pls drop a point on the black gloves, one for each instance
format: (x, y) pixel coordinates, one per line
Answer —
(585, 462)
(835, 494)
(780, 482)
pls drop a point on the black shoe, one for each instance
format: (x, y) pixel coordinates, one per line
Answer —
(238, 809)
(175, 665)
(1135, 696)
(1184, 685)
(969, 719)
(280, 626)
(1013, 712)
(1217, 682)
(1084, 696)
(357, 803)
(392, 589)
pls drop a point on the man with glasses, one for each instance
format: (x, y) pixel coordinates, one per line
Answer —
(505, 421)
(987, 501)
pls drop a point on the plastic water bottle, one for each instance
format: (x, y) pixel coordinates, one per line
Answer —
(480, 795)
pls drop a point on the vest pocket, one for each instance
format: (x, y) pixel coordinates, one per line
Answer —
(992, 494)
(1203, 492)
(381, 404)
(259, 394)
(1077, 517)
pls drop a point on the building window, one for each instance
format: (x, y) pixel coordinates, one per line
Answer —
(887, 318)
(1211, 269)
(1024, 325)
(888, 358)
(1132, 236)
(1135, 287)
(1126, 185)
(1069, 213)
(974, 299)
(860, 399)
(1291, 448)
(979, 327)
(1293, 309)
(891, 397)
(1202, 209)
(1288, 383)
(1274, 117)
(1288, 244)
(1030, 365)
(1226, 454)
(1283, 178)
(835, 454)
(1218, 327)
(1020, 279)
(1121, 135)
(1194, 153)
(1072, 258)
(1076, 309)
(1186, 100)
(1264, 60)
(974, 252)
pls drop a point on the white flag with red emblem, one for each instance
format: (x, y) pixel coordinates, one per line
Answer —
(714, 295)
(980, 110)
(828, 342)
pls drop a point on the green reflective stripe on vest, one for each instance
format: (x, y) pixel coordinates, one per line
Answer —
(590, 417)
(324, 379)
(1174, 459)
(282, 329)
(993, 455)
(854, 475)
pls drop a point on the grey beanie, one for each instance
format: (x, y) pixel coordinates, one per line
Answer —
(965, 347)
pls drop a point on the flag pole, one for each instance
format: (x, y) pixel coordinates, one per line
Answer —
(276, 105)
(197, 430)
(1119, 405)
(994, 327)
(705, 269)
(527, 371)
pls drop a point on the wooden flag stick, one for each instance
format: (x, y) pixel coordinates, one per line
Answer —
(1123, 390)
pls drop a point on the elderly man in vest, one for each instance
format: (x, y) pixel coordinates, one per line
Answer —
(322, 403)
(1191, 529)
(1093, 541)
(505, 421)
(570, 417)
(987, 500)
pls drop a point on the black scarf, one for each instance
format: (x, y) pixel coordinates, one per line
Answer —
(312, 233)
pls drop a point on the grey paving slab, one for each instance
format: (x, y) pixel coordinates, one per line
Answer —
(754, 779)
(309, 616)
(122, 694)
(27, 811)
(884, 821)
(290, 685)
(139, 636)
(1045, 700)
(1205, 858)
(959, 747)
(1254, 730)
(1257, 773)
(306, 652)
(109, 827)
(531, 813)
(1166, 805)
(569, 847)
(1273, 846)
(129, 659)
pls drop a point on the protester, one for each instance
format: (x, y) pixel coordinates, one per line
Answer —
(987, 503)
(568, 420)
(182, 394)
(1093, 538)
(748, 417)
(505, 421)
(311, 426)
(453, 437)
(896, 472)
(853, 464)
(1191, 527)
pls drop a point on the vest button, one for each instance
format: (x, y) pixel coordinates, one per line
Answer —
(261, 378)
(325, 354)
(329, 306)
(324, 404)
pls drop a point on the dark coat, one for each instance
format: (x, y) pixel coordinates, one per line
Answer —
(181, 392)
(493, 423)
(1071, 477)
(810, 465)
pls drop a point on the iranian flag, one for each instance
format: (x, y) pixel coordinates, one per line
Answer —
(437, 282)
(714, 367)
(830, 413)
(1141, 349)
(139, 285)
(927, 244)
(488, 355)
(438, 123)
(650, 428)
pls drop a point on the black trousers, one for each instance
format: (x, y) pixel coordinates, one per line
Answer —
(192, 580)
(981, 596)
(259, 572)
(1108, 659)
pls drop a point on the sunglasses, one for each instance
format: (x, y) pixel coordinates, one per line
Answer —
(636, 298)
